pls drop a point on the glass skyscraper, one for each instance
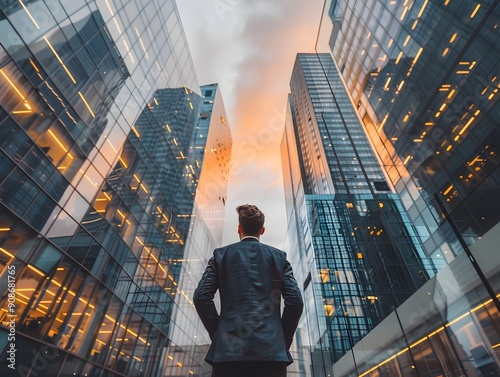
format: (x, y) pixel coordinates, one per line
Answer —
(423, 76)
(357, 254)
(206, 170)
(113, 177)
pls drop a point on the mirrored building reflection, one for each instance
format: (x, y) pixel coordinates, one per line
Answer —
(113, 178)
(423, 76)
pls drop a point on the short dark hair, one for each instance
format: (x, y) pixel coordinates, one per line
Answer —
(251, 219)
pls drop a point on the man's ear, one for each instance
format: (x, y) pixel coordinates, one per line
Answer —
(263, 230)
(239, 229)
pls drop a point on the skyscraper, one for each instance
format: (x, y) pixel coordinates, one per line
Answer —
(107, 173)
(424, 78)
(357, 256)
(207, 170)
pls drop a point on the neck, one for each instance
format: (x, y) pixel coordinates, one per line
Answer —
(248, 235)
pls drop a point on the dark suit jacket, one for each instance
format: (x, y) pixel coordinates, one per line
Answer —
(251, 278)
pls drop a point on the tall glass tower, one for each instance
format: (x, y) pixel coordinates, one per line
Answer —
(424, 77)
(107, 185)
(357, 255)
(206, 172)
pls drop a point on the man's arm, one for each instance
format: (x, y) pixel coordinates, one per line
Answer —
(203, 298)
(293, 304)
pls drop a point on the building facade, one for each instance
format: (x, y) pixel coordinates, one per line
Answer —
(405, 66)
(423, 76)
(207, 171)
(358, 257)
(105, 188)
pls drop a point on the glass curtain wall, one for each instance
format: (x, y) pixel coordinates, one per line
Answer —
(360, 257)
(98, 119)
(423, 76)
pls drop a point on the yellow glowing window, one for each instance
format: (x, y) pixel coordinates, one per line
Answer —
(86, 104)
(448, 190)
(400, 55)
(135, 131)
(474, 12)
(59, 59)
(325, 275)
(422, 9)
(6, 253)
(469, 122)
(329, 309)
(404, 13)
(386, 86)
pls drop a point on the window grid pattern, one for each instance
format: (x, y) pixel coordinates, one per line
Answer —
(367, 258)
(97, 201)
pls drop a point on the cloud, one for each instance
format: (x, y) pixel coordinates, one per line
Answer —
(266, 191)
(249, 48)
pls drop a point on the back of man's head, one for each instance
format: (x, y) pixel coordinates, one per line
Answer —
(251, 219)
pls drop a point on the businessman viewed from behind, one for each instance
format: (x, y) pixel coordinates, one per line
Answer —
(250, 336)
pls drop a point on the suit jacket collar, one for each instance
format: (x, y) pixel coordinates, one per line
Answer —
(249, 238)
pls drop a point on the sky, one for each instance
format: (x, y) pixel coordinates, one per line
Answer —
(248, 47)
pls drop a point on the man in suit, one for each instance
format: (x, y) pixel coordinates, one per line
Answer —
(250, 337)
